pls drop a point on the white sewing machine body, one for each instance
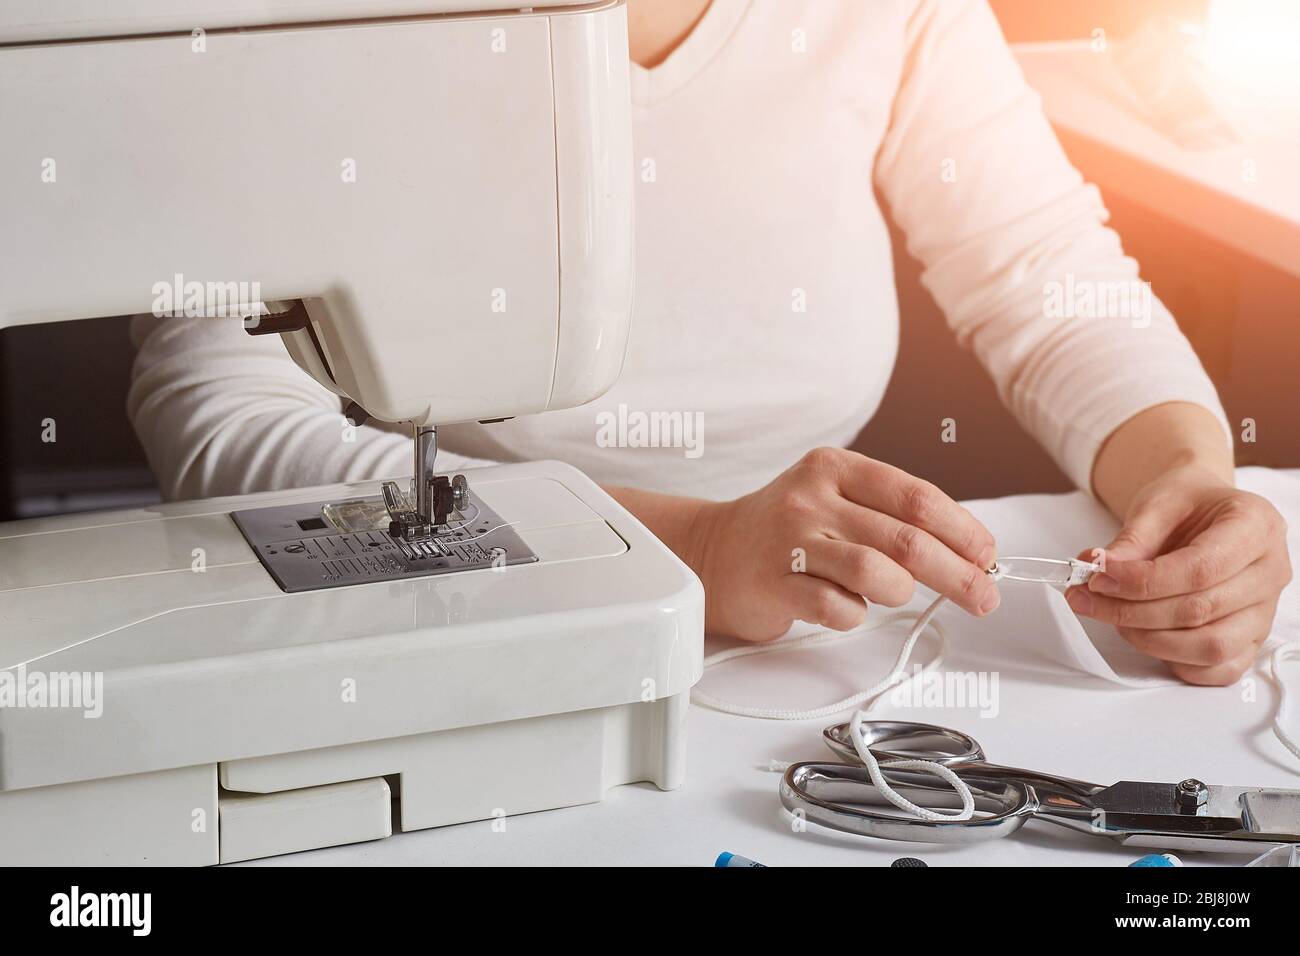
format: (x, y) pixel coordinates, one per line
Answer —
(485, 692)
(446, 194)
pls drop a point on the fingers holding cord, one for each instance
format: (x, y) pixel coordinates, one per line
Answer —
(1220, 644)
(909, 521)
(922, 555)
(1210, 645)
(891, 491)
(1221, 551)
(1249, 587)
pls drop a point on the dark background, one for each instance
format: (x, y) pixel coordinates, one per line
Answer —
(1238, 313)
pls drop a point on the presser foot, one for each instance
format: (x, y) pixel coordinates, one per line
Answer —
(433, 497)
(445, 497)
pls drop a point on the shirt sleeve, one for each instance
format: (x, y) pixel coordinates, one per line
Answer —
(1014, 245)
(221, 412)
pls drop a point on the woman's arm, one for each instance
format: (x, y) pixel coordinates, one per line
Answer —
(1017, 254)
(1015, 248)
(1195, 574)
(1155, 442)
(221, 412)
(833, 529)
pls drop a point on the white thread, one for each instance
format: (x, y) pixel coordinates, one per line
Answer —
(464, 524)
(1283, 653)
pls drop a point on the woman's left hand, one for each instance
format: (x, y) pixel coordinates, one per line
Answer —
(1194, 577)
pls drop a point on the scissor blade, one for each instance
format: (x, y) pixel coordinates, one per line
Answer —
(1270, 813)
(1134, 811)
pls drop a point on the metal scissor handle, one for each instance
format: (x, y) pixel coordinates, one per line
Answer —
(842, 795)
(839, 796)
(906, 740)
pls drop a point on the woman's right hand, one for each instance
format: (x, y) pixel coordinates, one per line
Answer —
(834, 529)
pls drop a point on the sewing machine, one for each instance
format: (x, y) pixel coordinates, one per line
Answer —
(430, 202)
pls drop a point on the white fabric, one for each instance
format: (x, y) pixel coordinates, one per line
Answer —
(1078, 650)
(765, 293)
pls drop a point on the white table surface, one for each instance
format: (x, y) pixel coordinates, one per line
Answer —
(1049, 719)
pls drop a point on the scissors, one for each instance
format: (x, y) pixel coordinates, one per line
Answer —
(1189, 815)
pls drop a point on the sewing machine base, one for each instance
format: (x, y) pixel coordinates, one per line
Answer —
(268, 806)
(238, 721)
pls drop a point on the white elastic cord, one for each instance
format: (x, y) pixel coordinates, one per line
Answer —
(924, 766)
(1282, 654)
(866, 697)
(864, 700)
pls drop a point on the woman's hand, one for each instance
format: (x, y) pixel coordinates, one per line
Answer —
(834, 529)
(1194, 576)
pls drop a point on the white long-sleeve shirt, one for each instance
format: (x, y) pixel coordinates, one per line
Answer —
(766, 320)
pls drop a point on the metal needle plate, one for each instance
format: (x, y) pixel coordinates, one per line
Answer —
(304, 551)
